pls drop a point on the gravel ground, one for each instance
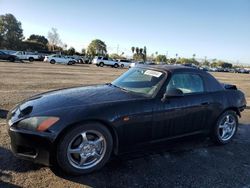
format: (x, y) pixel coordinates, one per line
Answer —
(193, 162)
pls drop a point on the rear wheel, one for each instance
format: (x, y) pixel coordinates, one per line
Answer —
(122, 66)
(225, 128)
(52, 61)
(11, 59)
(116, 65)
(70, 63)
(84, 149)
(101, 64)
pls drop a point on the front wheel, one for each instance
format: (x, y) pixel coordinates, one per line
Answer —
(225, 128)
(116, 65)
(31, 59)
(52, 61)
(84, 149)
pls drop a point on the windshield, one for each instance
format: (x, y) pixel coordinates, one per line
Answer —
(141, 81)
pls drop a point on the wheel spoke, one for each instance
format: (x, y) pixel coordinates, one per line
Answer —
(84, 137)
(227, 119)
(98, 141)
(222, 126)
(82, 160)
(97, 155)
(223, 133)
(76, 150)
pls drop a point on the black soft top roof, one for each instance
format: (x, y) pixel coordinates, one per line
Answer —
(172, 68)
(211, 83)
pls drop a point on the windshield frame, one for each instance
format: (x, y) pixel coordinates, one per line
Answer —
(161, 82)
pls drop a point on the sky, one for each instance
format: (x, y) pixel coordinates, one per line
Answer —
(213, 28)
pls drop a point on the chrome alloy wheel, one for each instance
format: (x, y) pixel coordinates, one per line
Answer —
(227, 127)
(86, 149)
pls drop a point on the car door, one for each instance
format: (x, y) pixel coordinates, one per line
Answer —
(184, 114)
(19, 55)
(126, 63)
(106, 61)
(23, 55)
(61, 59)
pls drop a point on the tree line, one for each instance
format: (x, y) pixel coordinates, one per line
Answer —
(11, 37)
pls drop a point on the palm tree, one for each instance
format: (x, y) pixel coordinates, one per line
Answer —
(145, 50)
(144, 53)
(133, 49)
(194, 56)
(137, 50)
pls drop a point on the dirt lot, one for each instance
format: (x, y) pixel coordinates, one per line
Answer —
(194, 162)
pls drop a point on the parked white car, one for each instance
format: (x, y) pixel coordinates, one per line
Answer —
(27, 56)
(101, 61)
(60, 59)
(124, 63)
(136, 63)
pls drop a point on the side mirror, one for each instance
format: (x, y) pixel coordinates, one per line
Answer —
(172, 93)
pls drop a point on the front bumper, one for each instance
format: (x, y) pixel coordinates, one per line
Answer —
(33, 146)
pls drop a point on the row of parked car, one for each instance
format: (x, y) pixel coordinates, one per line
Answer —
(67, 60)
(220, 69)
(98, 61)
(104, 61)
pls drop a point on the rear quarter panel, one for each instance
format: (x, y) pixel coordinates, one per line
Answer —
(226, 99)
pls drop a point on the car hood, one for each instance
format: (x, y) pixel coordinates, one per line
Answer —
(72, 97)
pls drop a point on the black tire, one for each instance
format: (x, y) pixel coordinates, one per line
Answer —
(11, 59)
(52, 61)
(62, 156)
(122, 66)
(81, 61)
(101, 64)
(215, 134)
(116, 65)
(31, 59)
(70, 63)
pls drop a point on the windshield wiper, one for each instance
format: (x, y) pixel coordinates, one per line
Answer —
(110, 84)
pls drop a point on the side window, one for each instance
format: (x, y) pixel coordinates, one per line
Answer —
(187, 83)
(105, 58)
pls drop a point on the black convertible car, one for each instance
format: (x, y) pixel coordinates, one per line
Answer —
(80, 128)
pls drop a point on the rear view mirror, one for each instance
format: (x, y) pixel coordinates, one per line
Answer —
(172, 93)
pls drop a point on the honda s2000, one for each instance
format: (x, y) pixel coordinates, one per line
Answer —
(80, 128)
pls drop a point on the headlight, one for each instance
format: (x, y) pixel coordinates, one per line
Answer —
(37, 123)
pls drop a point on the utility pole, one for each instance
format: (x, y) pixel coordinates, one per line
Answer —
(117, 49)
